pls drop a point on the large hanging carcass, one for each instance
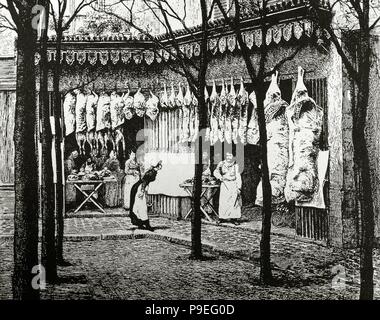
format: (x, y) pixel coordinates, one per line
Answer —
(92, 101)
(305, 119)
(277, 143)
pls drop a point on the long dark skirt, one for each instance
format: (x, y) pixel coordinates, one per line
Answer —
(136, 221)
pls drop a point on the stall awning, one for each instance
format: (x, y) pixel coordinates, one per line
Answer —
(288, 22)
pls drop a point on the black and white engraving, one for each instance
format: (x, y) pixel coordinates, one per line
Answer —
(189, 150)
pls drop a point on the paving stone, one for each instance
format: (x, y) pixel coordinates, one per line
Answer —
(292, 258)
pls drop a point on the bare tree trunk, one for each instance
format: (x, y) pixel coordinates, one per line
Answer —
(48, 252)
(361, 159)
(265, 252)
(58, 117)
(26, 173)
(196, 218)
(258, 85)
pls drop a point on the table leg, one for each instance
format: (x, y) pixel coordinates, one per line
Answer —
(208, 204)
(190, 194)
(89, 197)
(205, 213)
(188, 213)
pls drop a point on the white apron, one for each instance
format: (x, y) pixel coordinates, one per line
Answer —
(140, 207)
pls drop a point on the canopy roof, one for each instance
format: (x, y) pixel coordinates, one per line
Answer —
(289, 22)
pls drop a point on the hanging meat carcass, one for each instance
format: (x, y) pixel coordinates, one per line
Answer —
(117, 119)
(305, 119)
(242, 103)
(194, 123)
(231, 98)
(164, 101)
(235, 116)
(103, 121)
(152, 106)
(222, 113)
(177, 117)
(80, 119)
(69, 113)
(208, 106)
(92, 101)
(129, 110)
(164, 104)
(179, 102)
(277, 142)
(215, 111)
(187, 112)
(172, 98)
(253, 133)
(139, 103)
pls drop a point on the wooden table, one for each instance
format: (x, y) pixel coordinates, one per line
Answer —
(207, 196)
(89, 197)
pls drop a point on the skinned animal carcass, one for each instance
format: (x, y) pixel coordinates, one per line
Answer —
(208, 105)
(305, 119)
(215, 110)
(92, 101)
(164, 101)
(222, 113)
(187, 112)
(253, 134)
(80, 120)
(139, 103)
(231, 104)
(277, 143)
(172, 98)
(129, 109)
(103, 121)
(117, 119)
(69, 113)
(242, 103)
(184, 114)
(194, 123)
(152, 106)
(235, 114)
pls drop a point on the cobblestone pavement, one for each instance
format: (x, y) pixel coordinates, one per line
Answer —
(304, 262)
(152, 269)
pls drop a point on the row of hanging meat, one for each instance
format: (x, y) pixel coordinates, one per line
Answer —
(98, 119)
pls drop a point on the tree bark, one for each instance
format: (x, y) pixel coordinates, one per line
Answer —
(26, 172)
(48, 252)
(199, 92)
(361, 160)
(59, 138)
(196, 218)
(265, 251)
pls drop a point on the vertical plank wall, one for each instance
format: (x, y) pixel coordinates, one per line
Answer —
(7, 112)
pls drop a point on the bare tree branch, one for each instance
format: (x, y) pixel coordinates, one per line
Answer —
(6, 23)
(14, 14)
(326, 24)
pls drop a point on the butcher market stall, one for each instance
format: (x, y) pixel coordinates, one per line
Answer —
(120, 95)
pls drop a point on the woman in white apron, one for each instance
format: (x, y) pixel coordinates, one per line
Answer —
(138, 207)
(228, 173)
(133, 174)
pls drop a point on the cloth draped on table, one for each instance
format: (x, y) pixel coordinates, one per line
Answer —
(133, 174)
(277, 143)
(229, 199)
(176, 168)
(138, 205)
